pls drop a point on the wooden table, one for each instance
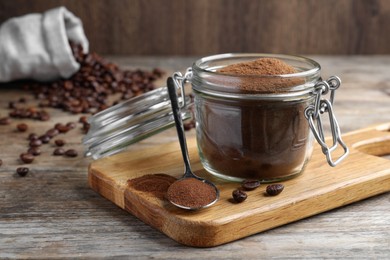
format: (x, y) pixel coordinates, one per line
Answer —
(52, 213)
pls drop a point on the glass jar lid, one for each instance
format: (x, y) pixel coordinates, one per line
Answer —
(114, 129)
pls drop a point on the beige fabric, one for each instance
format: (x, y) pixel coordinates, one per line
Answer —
(35, 46)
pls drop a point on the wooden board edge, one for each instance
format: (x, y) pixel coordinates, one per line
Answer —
(211, 234)
(106, 187)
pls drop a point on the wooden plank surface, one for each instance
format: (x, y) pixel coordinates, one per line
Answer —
(203, 27)
(53, 213)
(318, 189)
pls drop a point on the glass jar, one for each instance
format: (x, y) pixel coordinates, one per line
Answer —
(247, 127)
(253, 127)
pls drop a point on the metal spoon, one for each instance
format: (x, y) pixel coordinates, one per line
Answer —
(183, 145)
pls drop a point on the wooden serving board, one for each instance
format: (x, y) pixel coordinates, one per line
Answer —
(318, 189)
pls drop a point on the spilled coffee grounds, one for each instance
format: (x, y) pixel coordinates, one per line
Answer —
(156, 184)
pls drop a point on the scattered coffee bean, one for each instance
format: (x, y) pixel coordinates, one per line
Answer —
(52, 132)
(45, 139)
(27, 157)
(22, 171)
(239, 196)
(11, 105)
(62, 128)
(189, 125)
(32, 137)
(71, 153)
(34, 151)
(86, 127)
(58, 151)
(250, 184)
(59, 142)
(71, 125)
(274, 189)
(5, 121)
(1, 162)
(22, 127)
(83, 119)
(31, 113)
(35, 143)
(22, 100)
(44, 116)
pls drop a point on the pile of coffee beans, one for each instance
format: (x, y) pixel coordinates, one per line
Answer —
(89, 89)
(97, 85)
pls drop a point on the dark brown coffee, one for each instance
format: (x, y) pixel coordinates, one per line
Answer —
(264, 139)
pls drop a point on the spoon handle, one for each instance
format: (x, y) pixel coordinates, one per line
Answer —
(179, 125)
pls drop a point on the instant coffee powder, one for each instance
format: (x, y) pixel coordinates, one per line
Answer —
(250, 114)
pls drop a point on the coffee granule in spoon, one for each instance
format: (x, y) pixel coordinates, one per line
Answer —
(191, 192)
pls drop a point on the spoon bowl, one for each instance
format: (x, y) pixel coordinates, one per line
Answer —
(184, 150)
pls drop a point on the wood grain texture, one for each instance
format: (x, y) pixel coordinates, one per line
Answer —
(319, 188)
(176, 27)
(52, 213)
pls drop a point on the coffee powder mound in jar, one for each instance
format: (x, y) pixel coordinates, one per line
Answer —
(262, 139)
(192, 193)
(267, 68)
(262, 66)
(156, 184)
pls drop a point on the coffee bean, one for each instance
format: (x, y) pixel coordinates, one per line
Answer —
(11, 105)
(1, 162)
(52, 132)
(189, 125)
(239, 196)
(68, 85)
(158, 72)
(22, 171)
(22, 100)
(33, 136)
(22, 127)
(58, 151)
(5, 121)
(71, 125)
(85, 127)
(35, 143)
(250, 184)
(274, 189)
(59, 142)
(27, 157)
(34, 151)
(83, 119)
(71, 153)
(45, 139)
(62, 128)
(44, 116)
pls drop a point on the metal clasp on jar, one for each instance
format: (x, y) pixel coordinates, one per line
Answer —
(314, 113)
(180, 80)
